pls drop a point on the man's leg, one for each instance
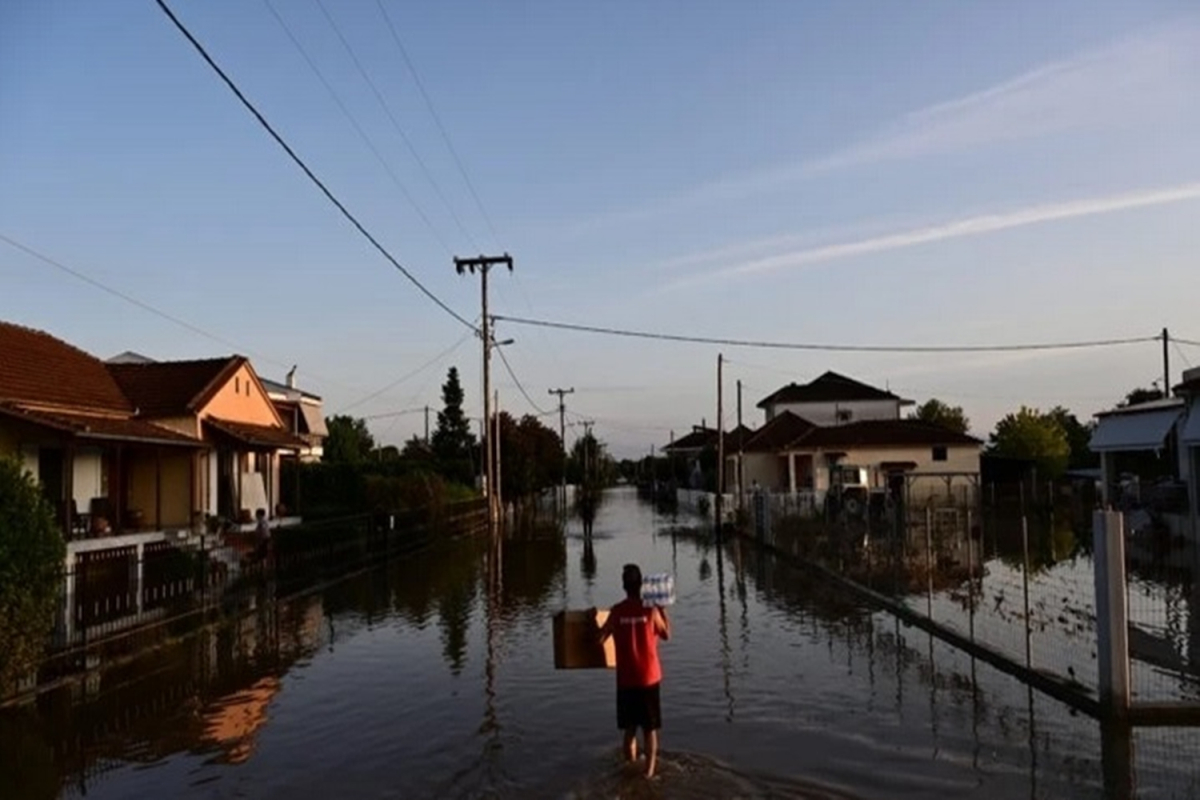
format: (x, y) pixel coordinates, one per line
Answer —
(651, 752)
(629, 747)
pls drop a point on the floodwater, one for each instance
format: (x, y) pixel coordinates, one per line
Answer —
(433, 677)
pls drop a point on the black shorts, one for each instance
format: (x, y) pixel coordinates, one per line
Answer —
(639, 708)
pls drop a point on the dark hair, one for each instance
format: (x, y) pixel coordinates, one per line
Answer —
(631, 579)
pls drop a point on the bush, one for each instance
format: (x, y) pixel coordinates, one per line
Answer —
(31, 560)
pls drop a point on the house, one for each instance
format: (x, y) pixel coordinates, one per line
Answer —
(814, 433)
(302, 412)
(833, 399)
(1150, 455)
(137, 447)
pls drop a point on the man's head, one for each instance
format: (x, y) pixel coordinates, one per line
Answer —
(631, 579)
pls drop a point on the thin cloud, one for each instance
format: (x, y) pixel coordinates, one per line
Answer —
(1140, 81)
(957, 229)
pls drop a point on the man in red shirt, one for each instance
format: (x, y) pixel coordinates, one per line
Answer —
(636, 629)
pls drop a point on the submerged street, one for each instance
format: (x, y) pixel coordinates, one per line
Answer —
(433, 676)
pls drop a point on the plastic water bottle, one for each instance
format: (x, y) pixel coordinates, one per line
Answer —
(658, 589)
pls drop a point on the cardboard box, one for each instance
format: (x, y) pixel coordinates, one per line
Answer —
(576, 645)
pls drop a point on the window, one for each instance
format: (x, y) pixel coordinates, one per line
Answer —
(237, 385)
(939, 453)
(844, 415)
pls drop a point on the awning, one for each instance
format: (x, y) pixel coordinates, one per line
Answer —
(313, 420)
(257, 436)
(1131, 431)
(1191, 430)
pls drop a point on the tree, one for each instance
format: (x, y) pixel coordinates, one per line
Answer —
(1030, 434)
(938, 413)
(453, 443)
(530, 456)
(1079, 438)
(31, 561)
(1138, 396)
(349, 441)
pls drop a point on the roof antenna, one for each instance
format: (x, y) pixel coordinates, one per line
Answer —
(291, 377)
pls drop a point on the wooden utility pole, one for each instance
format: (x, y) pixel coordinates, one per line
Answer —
(562, 434)
(1166, 337)
(483, 264)
(741, 451)
(720, 441)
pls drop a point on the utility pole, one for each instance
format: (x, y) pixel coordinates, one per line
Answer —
(496, 450)
(587, 447)
(562, 434)
(1166, 337)
(484, 264)
(741, 452)
(427, 426)
(720, 441)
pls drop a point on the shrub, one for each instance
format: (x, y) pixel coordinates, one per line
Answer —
(31, 559)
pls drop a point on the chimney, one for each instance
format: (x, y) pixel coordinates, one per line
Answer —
(291, 377)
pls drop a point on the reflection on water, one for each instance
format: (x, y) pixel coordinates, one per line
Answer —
(433, 677)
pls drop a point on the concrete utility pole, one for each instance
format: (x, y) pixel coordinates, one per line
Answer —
(720, 440)
(562, 434)
(484, 264)
(496, 450)
(741, 486)
(427, 425)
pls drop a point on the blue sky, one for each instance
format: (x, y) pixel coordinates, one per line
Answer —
(847, 173)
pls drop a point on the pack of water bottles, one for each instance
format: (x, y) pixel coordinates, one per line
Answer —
(658, 589)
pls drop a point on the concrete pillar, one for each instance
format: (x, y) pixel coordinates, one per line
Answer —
(69, 597)
(791, 472)
(137, 585)
(1112, 623)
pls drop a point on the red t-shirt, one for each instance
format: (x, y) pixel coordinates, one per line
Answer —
(636, 642)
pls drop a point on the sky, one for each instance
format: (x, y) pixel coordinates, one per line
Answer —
(854, 173)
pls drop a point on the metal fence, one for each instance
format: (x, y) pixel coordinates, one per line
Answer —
(1016, 584)
(117, 602)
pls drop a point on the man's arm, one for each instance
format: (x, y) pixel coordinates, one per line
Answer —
(662, 624)
(606, 630)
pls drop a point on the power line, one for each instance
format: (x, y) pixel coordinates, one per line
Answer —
(304, 167)
(395, 123)
(845, 348)
(525, 394)
(357, 127)
(402, 412)
(411, 374)
(1182, 355)
(1191, 342)
(438, 121)
(143, 305)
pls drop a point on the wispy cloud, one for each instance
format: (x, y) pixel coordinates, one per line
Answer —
(1140, 81)
(956, 229)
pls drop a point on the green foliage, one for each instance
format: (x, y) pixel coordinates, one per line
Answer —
(31, 560)
(1079, 436)
(348, 442)
(589, 463)
(938, 413)
(453, 443)
(1031, 434)
(530, 456)
(1139, 396)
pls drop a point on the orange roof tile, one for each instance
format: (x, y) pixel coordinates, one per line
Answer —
(173, 388)
(39, 368)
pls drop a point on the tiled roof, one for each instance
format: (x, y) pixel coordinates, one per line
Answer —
(781, 431)
(737, 438)
(35, 367)
(173, 388)
(698, 439)
(829, 388)
(884, 433)
(90, 426)
(257, 435)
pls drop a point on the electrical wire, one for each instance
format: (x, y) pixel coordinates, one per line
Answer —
(75, 273)
(402, 412)
(396, 123)
(1191, 342)
(513, 375)
(1179, 351)
(844, 348)
(462, 170)
(358, 127)
(304, 167)
(408, 375)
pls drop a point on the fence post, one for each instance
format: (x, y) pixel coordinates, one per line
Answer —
(929, 560)
(1112, 626)
(1025, 589)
